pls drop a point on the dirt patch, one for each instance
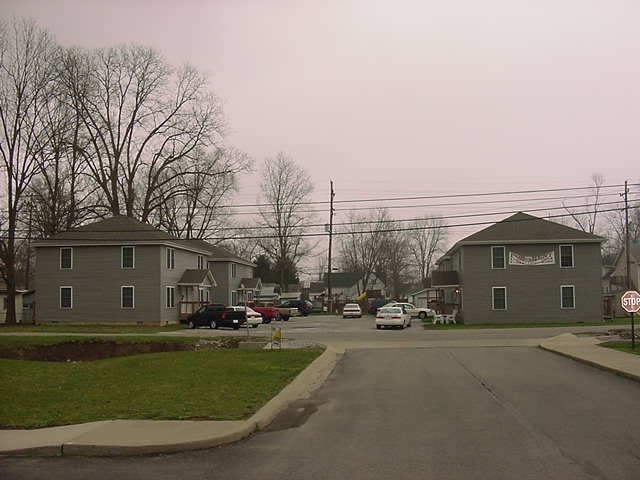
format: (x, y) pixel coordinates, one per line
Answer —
(89, 350)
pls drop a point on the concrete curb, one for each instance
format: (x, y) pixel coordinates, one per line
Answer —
(587, 351)
(143, 437)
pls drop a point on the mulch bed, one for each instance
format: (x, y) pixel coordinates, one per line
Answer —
(89, 350)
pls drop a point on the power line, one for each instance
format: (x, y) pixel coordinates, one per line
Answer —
(395, 229)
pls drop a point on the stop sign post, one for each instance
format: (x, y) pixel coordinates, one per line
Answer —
(631, 303)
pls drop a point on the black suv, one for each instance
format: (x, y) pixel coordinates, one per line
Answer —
(303, 306)
(216, 315)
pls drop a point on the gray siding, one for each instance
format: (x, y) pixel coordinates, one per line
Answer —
(227, 282)
(97, 278)
(533, 292)
(221, 272)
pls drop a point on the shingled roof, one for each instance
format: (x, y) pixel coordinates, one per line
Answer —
(344, 279)
(217, 253)
(197, 277)
(521, 228)
(118, 228)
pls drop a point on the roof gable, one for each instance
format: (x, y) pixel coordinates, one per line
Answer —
(522, 228)
(197, 277)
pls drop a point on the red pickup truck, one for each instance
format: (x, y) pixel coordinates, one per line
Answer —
(269, 312)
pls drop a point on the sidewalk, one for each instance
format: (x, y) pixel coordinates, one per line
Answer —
(586, 349)
(138, 437)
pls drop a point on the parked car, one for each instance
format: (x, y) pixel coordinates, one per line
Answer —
(375, 305)
(268, 312)
(351, 310)
(411, 309)
(392, 317)
(304, 306)
(216, 315)
(253, 318)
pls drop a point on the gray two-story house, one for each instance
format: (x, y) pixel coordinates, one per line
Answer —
(233, 274)
(120, 270)
(523, 269)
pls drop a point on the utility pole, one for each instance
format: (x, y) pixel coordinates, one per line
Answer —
(626, 248)
(330, 299)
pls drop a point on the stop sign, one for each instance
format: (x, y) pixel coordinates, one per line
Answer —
(631, 301)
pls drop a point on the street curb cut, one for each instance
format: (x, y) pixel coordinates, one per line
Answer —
(309, 380)
(566, 352)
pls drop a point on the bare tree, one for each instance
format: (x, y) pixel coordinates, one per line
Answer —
(393, 263)
(147, 125)
(362, 244)
(198, 211)
(59, 194)
(586, 218)
(27, 54)
(285, 188)
(425, 242)
(616, 223)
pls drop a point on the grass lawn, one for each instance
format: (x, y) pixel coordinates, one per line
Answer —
(428, 325)
(623, 346)
(227, 384)
(50, 340)
(138, 329)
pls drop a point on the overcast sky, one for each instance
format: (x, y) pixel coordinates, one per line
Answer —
(400, 97)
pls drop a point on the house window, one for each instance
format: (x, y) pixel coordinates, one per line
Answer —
(234, 298)
(5, 303)
(200, 262)
(499, 298)
(567, 296)
(66, 258)
(566, 256)
(171, 297)
(171, 258)
(128, 257)
(234, 270)
(127, 297)
(66, 297)
(497, 257)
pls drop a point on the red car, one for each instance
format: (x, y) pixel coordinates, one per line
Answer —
(268, 313)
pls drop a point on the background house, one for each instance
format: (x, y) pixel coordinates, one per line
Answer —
(22, 316)
(523, 269)
(231, 273)
(347, 286)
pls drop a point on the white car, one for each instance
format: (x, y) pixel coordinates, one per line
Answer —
(411, 309)
(253, 318)
(351, 310)
(392, 317)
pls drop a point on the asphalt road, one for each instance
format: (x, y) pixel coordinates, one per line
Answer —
(445, 409)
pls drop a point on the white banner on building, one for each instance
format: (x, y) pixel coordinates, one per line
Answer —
(544, 259)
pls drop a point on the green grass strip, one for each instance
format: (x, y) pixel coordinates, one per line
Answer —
(115, 329)
(428, 324)
(212, 385)
(623, 346)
